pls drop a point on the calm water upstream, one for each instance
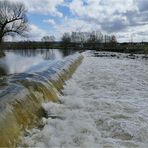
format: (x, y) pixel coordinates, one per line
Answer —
(19, 61)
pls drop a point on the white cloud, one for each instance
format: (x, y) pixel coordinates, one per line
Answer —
(120, 17)
(49, 21)
(43, 6)
(102, 11)
(71, 24)
(99, 9)
(137, 34)
(36, 33)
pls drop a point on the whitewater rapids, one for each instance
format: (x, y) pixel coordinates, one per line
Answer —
(104, 104)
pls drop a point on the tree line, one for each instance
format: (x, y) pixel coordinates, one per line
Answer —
(88, 37)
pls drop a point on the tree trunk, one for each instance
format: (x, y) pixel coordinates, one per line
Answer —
(1, 39)
(1, 32)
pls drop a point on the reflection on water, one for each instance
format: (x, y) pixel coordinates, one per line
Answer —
(18, 61)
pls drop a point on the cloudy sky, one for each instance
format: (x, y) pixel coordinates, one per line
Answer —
(124, 18)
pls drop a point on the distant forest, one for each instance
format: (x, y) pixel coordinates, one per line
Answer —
(141, 47)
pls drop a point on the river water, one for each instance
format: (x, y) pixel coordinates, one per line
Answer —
(30, 78)
(19, 61)
(104, 104)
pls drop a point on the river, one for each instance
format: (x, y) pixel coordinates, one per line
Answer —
(19, 61)
(29, 78)
(104, 104)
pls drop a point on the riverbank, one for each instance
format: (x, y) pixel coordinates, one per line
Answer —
(104, 104)
(136, 48)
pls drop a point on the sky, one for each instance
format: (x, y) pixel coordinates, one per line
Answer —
(127, 19)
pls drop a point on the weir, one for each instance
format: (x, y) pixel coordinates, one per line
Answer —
(21, 100)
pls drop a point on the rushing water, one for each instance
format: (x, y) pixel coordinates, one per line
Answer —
(105, 104)
(22, 94)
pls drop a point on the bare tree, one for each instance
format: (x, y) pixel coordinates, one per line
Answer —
(92, 37)
(13, 19)
(66, 38)
(48, 38)
(113, 39)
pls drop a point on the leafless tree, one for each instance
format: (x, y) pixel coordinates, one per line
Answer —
(80, 37)
(48, 38)
(113, 39)
(92, 37)
(13, 19)
(66, 38)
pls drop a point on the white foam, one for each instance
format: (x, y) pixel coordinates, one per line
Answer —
(105, 104)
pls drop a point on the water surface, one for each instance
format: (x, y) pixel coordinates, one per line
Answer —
(105, 104)
(19, 61)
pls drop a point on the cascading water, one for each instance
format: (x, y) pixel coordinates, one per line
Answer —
(21, 99)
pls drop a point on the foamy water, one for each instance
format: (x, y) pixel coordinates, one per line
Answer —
(105, 104)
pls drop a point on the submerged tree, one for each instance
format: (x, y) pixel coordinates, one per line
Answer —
(13, 19)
